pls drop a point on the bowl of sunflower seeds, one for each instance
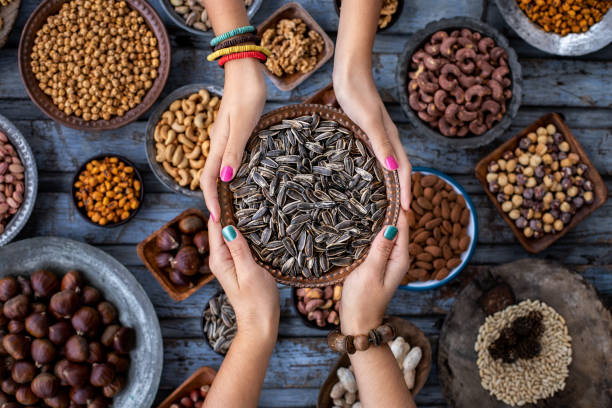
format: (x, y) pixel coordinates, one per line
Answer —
(309, 196)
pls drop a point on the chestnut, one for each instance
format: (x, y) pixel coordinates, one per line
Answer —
(178, 278)
(108, 335)
(91, 296)
(82, 395)
(108, 313)
(191, 224)
(17, 345)
(72, 280)
(200, 240)
(162, 260)
(86, 321)
(3, 398)
(59, 369)
(76, 349)
(121, 364)
(96, 353)
(186, 261)
(45, 283)
(16, 308)
(24, 283)
(60, 400)
(45, 385)
(63, 304)
(102, 374)
(114, 387)
(38, 308)
(99, 402)
(186, 240)
(60, 332)
(8, 288)
(23, 372)
(16, 326)
(42, 351)
(73, 374)
(25, 396)
(37, 325)
(168, 239)
(124, 340)
(9, 386)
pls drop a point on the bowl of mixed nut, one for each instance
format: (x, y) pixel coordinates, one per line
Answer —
(73, 70)
(191, 15)
(542, 182)
(18, 181)
(443, 230)
(309, 196)
(459, 82)
(177, 139)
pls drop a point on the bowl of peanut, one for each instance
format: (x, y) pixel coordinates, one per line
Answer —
(177, 139)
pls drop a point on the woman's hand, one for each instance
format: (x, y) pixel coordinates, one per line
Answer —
(368, 289)
(244, 96)
(250, 289)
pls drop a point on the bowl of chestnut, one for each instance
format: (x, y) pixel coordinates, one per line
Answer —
(192, 393)
(177, 254)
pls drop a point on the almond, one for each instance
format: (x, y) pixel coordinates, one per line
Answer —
(424, 203)
(424, 256)
(414, 249)
(435, 251)
(441, 274)
(465, 217)
(429, 180)
(433, 223)
(428, 193)
(464, 242)
(425, 219)
(422, 236)
(455, 214)
(423, 265)
(453, 263)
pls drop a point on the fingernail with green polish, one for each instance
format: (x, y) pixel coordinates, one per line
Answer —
(229, 233)
(390, 232)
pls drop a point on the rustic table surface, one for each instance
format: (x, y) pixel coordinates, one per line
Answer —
(577, 87)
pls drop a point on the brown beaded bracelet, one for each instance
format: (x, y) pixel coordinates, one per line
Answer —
(239, 40)
(349, 344)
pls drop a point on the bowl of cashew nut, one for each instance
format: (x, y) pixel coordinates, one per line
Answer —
(177, 138)
(459, 82)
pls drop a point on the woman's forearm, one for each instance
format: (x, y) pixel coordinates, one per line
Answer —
(380, 380)
(226, 15)
(240, 378)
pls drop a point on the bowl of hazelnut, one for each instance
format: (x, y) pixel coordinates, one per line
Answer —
(73, 70)
(542, 182)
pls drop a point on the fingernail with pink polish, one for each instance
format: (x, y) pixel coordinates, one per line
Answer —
(227, 173)
(391, 163)
(213, 217)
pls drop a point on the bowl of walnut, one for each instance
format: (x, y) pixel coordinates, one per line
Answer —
(299, 46)
(94, 65)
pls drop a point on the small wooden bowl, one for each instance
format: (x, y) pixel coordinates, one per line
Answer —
(327, 113)
(9, 14)
(295, 10)
(413, 336)
(147, 250)
(28, 35)
(83, 213)
(309, 323)
(324, 96)
(203, 376)
(599, 187)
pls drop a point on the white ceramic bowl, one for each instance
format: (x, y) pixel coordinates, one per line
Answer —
(472, 232)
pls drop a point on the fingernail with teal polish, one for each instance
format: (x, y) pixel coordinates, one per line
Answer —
(229, 233)
(390, 232)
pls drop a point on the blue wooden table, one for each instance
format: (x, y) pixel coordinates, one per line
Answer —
(577, 87)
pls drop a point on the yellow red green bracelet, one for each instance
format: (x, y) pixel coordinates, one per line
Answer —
(238, 48)
(232, 33)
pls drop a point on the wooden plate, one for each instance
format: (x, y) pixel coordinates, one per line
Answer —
(327, 113)
(413, 336)
(9, 14)
(290, 11)
(26, 43)
(203, 376)
(599, 187)
(589, 324)
(147, 250)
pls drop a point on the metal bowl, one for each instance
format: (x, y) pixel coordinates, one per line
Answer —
(178, 20)
(20, 218)
(472, 231)
(597, 37)
(417, 40)
(118, 286)
(154, 118)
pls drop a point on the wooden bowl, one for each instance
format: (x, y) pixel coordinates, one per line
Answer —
(83, 213)
(324, 96)
(599, 187)
(413, 336)
(391, 183)
(147, 250)
(44, 102)
(9, 14)
(294, 10)
(203, 376)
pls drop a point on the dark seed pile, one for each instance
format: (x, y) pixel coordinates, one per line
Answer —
(308, 196)
(519, 340)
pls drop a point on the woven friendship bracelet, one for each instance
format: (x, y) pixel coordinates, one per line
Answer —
(245, 38)
(350, 344)
(237, 48)
(239, 55)
(232, 33)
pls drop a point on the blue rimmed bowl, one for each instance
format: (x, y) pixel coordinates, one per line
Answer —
(472, 231)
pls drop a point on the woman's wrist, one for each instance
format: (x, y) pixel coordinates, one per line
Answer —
(359, 324)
